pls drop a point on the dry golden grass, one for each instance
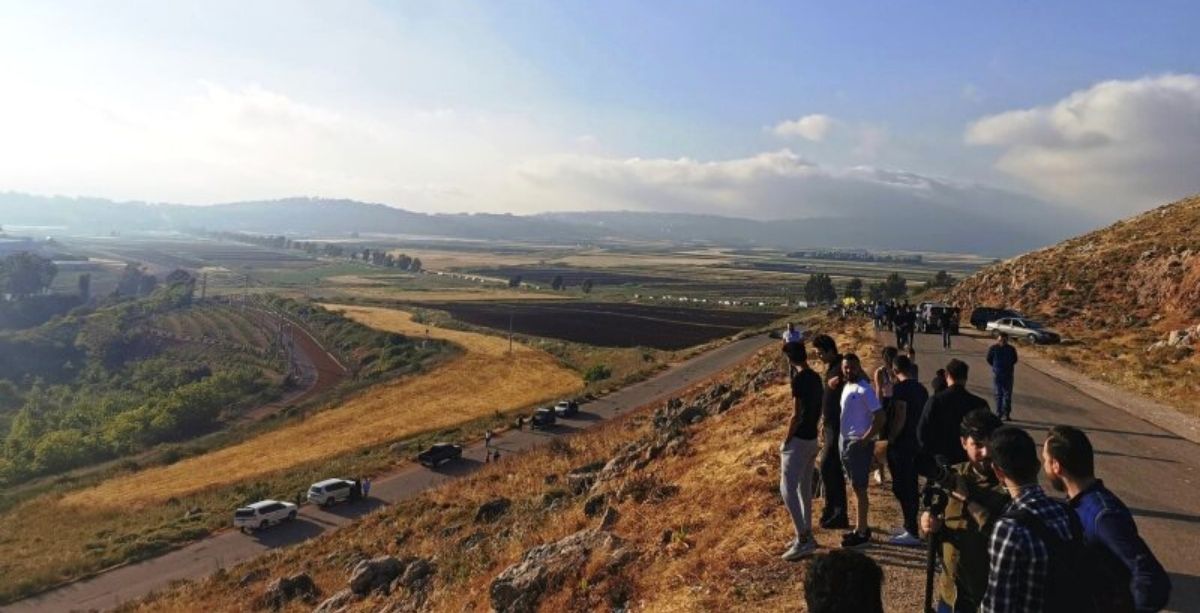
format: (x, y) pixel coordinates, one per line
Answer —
(725, 527)
(485, 379)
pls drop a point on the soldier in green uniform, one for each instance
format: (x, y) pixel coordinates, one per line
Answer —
(976, 500)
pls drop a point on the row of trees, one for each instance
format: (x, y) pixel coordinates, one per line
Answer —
(378, 257)
(25, 274)
(819, 287)
(557, 284)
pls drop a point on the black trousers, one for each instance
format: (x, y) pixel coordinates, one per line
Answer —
(902, 463)
(833, 481)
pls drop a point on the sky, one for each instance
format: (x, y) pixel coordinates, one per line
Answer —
(755, 109)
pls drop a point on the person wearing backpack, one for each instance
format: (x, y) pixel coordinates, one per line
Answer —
(1130, 577)
(1036, 558)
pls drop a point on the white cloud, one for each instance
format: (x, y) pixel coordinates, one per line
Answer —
(770, 185)
(1117, 148)
(813, 127)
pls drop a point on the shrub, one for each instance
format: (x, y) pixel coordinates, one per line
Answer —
(597, 372)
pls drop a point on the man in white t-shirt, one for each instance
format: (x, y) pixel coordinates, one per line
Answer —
(792, 334)
(862, 419)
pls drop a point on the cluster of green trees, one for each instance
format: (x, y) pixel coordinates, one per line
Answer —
(942, 279)
(819, 289)
(25, 274)
(89, 387)
(893, 287)
(112, 413)
(559, 284)
(380, 257)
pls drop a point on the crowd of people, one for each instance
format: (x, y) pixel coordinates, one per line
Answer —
(1000, 542)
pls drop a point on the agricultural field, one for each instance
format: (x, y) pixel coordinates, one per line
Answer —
(609, 324)
(501, 381)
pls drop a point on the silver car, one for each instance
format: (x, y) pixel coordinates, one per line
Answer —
(1024, 329)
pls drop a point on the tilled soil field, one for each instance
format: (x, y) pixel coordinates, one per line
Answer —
(609, 324)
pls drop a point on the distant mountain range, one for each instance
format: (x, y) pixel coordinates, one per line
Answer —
(996, 233)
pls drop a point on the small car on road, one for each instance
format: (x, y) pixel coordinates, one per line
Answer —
(543, 418)
(1024, 329)
(566, 408)
(440, 453)
(262, 514)
(330, 491)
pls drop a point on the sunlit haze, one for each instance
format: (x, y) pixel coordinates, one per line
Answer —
(764, 111)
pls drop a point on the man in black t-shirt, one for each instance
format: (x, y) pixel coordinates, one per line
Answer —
(833, 480)
(799, 450)
(908, 402)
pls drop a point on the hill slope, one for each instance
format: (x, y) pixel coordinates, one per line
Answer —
(1124, 275)
(652, 511)
(1119, 293)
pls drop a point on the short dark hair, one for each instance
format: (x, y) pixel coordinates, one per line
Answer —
(843, 581)
(903, 364)
(1013, 450)
(889, 355)
(979, 425)
(957, 369)
(1071, 447)
(824, 342)
(851, 357)
(795, 352)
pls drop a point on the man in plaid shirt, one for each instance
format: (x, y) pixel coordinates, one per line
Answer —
(1019, 559)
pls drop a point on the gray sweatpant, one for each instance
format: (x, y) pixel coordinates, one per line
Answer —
(796, 459)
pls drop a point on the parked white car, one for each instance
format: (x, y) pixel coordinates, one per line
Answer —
(262, 514)
(330, 491)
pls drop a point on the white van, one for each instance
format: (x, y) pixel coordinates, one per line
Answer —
(330, 491)
(262, 514)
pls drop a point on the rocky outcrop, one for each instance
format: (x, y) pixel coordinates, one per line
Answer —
(374, 574)
(286, 589)
(1184, 338)
(336, 603)
(546, 568)
(492, 510)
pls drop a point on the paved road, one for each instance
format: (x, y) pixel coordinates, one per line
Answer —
(228, 548)
(1155, 472)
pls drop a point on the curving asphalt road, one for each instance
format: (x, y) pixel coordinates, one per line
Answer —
(1156, 472)
(227, 548)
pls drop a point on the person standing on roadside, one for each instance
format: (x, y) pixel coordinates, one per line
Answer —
(938, 383)
(861, 419)
(975, 499)
(883, 378)
(1002, 357)
(915, 372)
(799, 450)
(833, 480)
(1129, 576)
(792, 335)
(908, 400)
(366, 486)
(938, 430)
(945, 320)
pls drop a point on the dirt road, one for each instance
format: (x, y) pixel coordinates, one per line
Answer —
(228, 548)
(1156, 472)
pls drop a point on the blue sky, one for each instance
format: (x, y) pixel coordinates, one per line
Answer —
(528, 106)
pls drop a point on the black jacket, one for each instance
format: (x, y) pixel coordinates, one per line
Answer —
(938, 431)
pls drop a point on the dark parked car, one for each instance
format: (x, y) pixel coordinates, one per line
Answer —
(542, 418)
(566, 408)
(440, 453)
(982, 315)
(930, 317)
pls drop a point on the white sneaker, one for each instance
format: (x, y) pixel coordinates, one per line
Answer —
(904, 539)
(799, 551)
(878, 477)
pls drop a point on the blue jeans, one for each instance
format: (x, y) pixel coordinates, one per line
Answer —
(1003, 386)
